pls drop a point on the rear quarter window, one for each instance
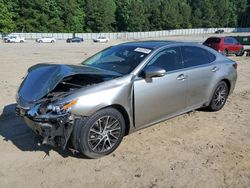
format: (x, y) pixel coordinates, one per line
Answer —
(196, 56)
(212, 57)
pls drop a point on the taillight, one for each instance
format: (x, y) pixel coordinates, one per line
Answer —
(235, 65)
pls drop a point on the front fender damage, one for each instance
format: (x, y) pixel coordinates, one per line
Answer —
(46, 98)
(42, 102)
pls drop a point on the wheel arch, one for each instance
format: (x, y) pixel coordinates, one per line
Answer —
(209, 106)
(214, 87)
(124, 113)
(228, 84)
(224, 49)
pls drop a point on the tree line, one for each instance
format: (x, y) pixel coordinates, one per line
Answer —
(120, 15)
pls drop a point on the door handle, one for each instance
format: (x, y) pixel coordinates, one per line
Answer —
(181, 77)
(215, 69)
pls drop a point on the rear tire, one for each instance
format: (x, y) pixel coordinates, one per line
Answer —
(225, 52)
(99, 134)
(219, 97)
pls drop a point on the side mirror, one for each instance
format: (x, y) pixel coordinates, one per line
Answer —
(153, 71)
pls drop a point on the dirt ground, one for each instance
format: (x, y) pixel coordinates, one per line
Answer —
(198, 149)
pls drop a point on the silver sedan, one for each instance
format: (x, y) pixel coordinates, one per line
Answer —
(120, 90)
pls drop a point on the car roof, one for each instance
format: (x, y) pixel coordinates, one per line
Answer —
(149, 44)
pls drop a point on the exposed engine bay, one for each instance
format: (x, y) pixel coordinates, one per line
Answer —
(77, 81)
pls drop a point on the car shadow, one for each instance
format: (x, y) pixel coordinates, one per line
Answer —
(14, 130)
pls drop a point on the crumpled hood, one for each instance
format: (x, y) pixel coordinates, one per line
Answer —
(43, 78)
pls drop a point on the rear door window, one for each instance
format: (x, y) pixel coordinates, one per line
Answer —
(196, 56)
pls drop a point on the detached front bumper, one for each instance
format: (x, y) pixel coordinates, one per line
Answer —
(55, 130)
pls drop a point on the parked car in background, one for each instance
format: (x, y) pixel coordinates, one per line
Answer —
(225, 45)
(120, 90)
(245, 41)
(14, 39)
(5, 39)
(46, 40)
(74, 39)
(219, 31)
(101, 39)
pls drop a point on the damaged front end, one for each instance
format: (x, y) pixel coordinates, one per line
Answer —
(53, 123)
(42, 99)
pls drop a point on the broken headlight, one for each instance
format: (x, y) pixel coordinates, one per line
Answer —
(62, 108)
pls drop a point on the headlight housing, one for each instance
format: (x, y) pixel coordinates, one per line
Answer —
(62, 108)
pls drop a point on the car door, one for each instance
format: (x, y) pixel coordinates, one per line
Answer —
(233, 46)
(160, 97)
(200, 72)
(236, 44)
(229, 44)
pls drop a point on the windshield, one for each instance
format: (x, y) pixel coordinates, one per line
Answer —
(120, 59)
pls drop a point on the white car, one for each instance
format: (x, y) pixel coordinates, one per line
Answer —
(101, 39)
(46, 40)
(14, 39)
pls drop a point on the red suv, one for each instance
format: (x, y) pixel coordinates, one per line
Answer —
(225, 45)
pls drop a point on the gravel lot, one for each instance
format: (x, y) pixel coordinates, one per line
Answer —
(198, 149)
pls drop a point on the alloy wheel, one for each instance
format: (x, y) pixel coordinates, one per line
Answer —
(104, 134)
(220, 95)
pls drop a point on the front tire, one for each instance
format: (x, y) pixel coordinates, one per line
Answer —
(101, 133)
(219, 97)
